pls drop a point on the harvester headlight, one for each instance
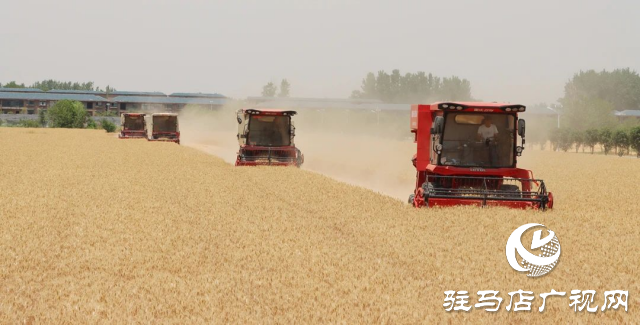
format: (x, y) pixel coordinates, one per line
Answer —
(508, 109)
(459, 108)
(519, 149)
(521, 109)
(445, 106)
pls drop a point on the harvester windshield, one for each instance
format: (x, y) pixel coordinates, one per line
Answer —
(477, 140)
(134, 122)
(269, 131)
(165, 123)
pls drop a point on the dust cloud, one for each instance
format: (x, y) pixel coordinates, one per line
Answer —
(367, 149)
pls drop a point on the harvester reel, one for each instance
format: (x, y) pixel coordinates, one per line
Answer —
(513, 190)
(428, 188)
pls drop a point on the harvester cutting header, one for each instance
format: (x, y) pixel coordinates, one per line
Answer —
(266, 138)
(467, 154)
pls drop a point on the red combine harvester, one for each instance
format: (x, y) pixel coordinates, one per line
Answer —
(163, 127)
(132, 126)
(466, 155)
(266, 138)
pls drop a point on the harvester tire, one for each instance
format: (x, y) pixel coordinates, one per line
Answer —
(411, 198)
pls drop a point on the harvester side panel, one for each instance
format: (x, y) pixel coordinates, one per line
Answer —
(421, 121)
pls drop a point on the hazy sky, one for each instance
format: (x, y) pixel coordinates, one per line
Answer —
(510, 50)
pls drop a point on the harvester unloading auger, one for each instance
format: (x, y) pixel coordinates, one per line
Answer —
(266, 138)
(466, 155)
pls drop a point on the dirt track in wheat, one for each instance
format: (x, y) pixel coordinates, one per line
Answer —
(96, 229)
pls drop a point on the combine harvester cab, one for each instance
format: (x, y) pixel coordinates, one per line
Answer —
(467, 155)
(132, 126)
(266, 138)
(163, 127)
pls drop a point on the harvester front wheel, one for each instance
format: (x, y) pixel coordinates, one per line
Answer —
(411, 198)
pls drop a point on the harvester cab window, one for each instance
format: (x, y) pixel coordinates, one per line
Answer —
(135, 122)
(465, 142)
(165, 123)
(269, 131)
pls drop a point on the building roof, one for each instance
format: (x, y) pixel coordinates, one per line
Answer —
(63, 91)
(628, 112)
(197, 95)
(51, 96)
(137, 93)
(21, 90)
(169, 100)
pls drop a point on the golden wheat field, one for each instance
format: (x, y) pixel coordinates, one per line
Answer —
(95, 229)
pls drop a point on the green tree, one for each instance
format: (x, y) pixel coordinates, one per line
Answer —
(455, 89)
(620, 88)
(620, 140)
(108, 125)
(561, 139)
(29, 124)
(578, 139)
(565, 139)
(606, 140)
(269, 90)
(634, 139)
(91, 124)
(13, 84)
(368, 87)
(591, 97)
(412, 87)
(51, 84)
(589, 113)
(42, 118)
(591, 138)
(67, 114)
(285, 87)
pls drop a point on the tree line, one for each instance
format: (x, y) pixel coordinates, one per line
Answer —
(617, 140)
(410, 88)
(587, 110)
(50, 84)
(270, 89)
(67, 114)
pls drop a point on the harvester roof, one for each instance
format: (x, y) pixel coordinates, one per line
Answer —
(481, 106)
(164, 114)
(269, 111)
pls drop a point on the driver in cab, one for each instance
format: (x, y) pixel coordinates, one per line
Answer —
(487, 133)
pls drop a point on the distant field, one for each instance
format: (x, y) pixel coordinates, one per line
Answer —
(97, 229)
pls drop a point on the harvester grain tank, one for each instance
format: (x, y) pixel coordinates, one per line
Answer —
(163, 127)
(132, 126)
(467, 155)
(266, 138)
